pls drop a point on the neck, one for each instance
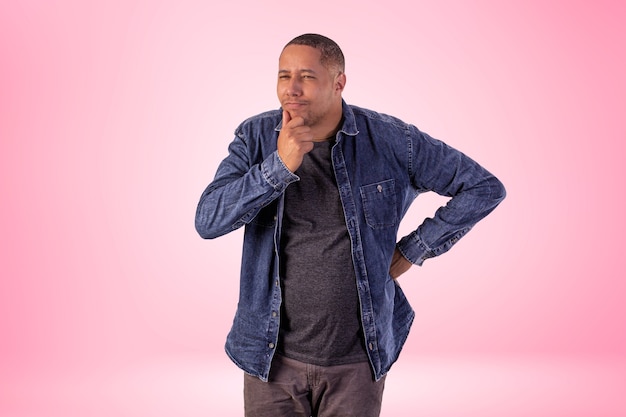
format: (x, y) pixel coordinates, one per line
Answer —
(330, 127)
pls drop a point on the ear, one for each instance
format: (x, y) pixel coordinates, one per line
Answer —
(340, 82)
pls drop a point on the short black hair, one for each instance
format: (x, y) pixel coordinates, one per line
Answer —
(332, 57)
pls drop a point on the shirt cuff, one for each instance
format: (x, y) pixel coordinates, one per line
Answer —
(276, 172)
(414, 250)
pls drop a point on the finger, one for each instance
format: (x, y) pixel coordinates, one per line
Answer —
(292, 121)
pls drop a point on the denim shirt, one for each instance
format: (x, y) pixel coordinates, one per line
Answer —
(381, 165)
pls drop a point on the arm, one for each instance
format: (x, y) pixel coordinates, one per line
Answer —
(473, 190)
(240, 189)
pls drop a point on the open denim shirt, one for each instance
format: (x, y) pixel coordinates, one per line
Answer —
(381, 165)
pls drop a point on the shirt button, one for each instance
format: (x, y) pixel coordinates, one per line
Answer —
(379, 188)
(271, 345)
(274, 314)
(371, 346)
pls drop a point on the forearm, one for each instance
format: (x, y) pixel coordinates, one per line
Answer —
(474, 193)
(451, 222)
(238, 192)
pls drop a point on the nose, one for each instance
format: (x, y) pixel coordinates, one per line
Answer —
(294, 88)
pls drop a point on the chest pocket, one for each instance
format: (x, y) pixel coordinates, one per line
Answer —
(379, 204)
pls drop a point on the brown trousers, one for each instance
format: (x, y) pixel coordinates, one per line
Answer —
(297, 389)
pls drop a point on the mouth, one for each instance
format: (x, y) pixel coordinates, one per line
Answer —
(294, 104)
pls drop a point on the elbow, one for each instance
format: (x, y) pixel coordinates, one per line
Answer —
(499, 191)
(205, 220)
(491, 192)
(502, 190)
(211, 221)
(203, 225)
(208, 227)
(202, 230)
(204, 234)
(206, 230)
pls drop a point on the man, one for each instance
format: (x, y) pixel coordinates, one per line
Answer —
(321, 187)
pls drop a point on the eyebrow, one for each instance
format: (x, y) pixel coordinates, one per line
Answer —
(284, 71)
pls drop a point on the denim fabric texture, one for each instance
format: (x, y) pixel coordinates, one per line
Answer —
(381, 165)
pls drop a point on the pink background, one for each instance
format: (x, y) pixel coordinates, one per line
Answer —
(114, 116)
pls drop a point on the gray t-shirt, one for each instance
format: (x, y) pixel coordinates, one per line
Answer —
(320, 322)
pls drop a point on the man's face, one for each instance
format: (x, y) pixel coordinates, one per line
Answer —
(305, 87)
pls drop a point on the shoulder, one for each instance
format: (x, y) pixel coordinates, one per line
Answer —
(368, 116)
(375, 123)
